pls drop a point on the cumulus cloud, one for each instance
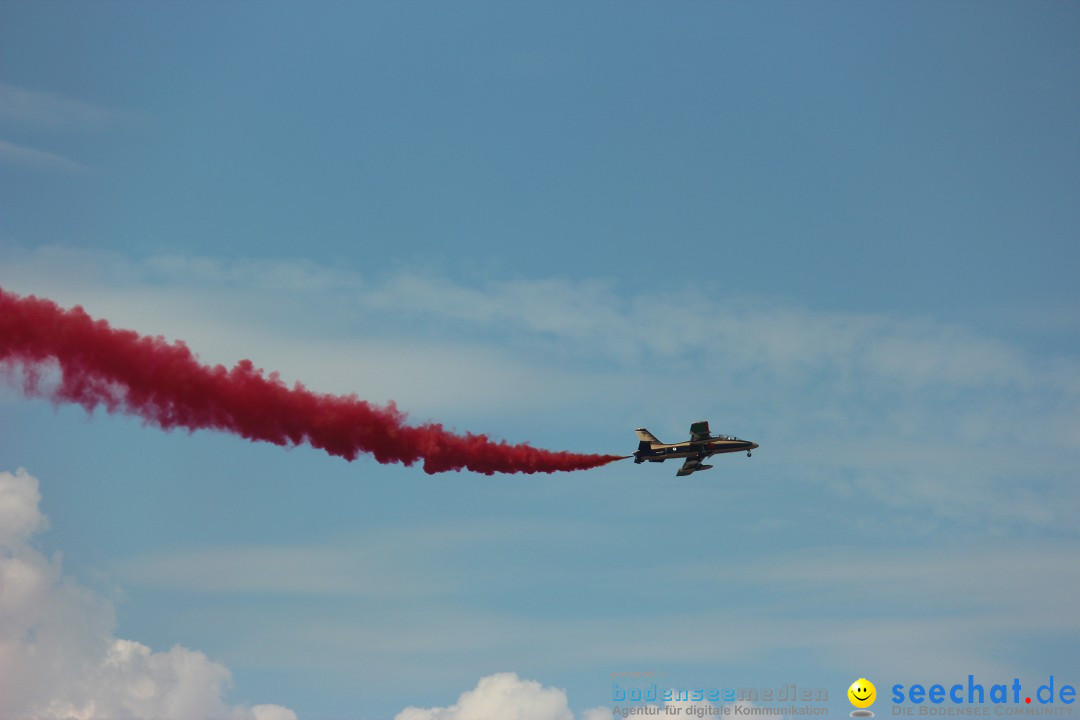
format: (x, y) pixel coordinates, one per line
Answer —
(58, 657)
(503, 696)
(19, 513)
(600, 713)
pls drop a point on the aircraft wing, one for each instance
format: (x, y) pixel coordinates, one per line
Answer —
(700, 430)
(692, 464)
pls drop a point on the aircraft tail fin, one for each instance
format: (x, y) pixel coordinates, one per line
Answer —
(645, 436)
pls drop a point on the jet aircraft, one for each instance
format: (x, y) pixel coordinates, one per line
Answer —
(700, 446)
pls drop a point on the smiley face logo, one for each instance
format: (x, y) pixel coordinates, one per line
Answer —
(862, 693)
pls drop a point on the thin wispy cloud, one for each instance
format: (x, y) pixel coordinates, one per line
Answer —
(348, 569)
(42, 116)
(421, 566)
(937, 605)
(599, 318)
(37, 159)
(915, 408)
(41, 110)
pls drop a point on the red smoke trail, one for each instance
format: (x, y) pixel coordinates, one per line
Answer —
(166, 385)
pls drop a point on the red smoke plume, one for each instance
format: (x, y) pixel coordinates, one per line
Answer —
(166, 385)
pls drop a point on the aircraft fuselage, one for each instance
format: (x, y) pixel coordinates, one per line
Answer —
(701, 445)
(659, 452)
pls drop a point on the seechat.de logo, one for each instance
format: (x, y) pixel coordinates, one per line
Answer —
(862, 694)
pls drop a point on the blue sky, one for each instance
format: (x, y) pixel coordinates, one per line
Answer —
(846, 231)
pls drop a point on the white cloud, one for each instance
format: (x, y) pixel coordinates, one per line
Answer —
(599, 713)
(503, 696)
(19, 514)
(58, 657)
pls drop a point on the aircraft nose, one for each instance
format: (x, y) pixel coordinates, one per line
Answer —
(754, 446)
